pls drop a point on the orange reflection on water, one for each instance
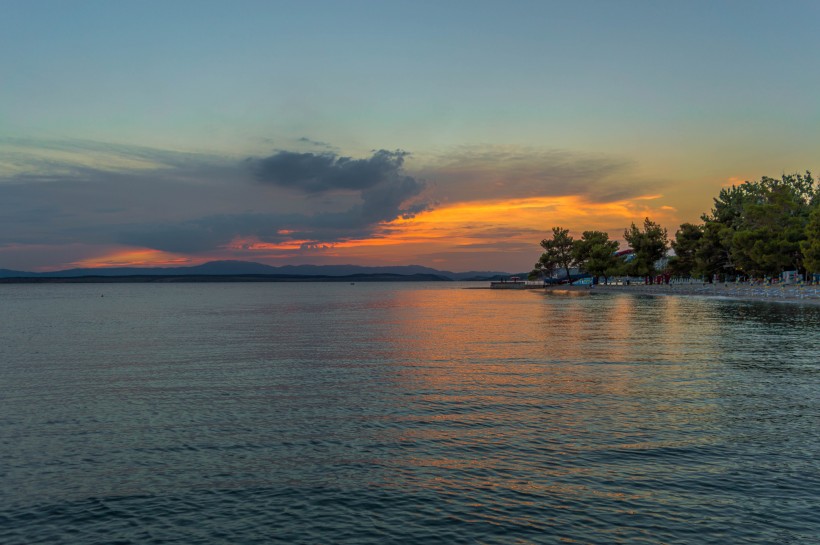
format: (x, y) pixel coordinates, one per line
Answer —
(548, 381)
(508, 339)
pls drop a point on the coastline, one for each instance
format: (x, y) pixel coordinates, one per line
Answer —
(800, 294)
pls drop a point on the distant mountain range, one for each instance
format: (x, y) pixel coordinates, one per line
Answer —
(287, 272)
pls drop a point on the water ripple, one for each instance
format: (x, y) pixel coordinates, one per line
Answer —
(404, 414)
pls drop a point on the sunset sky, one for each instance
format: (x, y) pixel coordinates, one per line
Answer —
(452, 134)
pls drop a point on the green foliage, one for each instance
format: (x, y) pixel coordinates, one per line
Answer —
(713, 254)
(811, 246)
(544, 267)
(687, 241)
(650, 245)
(728, 207)
(557, 252)
(595, 253)
(757, 228)
(768, 237)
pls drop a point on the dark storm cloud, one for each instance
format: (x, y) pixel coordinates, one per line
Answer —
(319, 173)
(382, 188)
(363, 220)
(384, 193)
(383, 201)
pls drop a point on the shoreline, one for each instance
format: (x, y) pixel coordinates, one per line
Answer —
(800, 294)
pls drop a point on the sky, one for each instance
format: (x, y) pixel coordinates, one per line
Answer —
(452, 134)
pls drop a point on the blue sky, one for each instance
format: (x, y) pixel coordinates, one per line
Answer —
(497, 101)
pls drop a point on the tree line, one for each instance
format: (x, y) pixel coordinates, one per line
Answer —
(755, 230)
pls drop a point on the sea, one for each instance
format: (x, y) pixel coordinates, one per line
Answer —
(403, 413)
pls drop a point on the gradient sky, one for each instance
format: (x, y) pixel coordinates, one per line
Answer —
(452, 134)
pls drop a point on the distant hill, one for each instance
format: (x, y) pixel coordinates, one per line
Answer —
(242, 268)
(5, 273)
(177, 278)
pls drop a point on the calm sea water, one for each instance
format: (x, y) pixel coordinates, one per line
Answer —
(404, 413)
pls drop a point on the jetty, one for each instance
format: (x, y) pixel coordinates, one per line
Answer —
(514, 283)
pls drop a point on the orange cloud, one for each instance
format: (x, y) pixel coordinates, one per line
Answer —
(503, 230)
(532, 214)
(136, 258)
(498, 234)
